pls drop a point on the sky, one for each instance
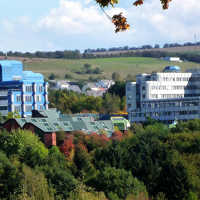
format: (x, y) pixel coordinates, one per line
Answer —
(49, 25)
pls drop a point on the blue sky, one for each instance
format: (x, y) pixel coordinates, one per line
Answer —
(80, 24)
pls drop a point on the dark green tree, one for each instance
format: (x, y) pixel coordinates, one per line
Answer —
(116, 76)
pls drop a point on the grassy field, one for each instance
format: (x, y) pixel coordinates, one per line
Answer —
(124, 66)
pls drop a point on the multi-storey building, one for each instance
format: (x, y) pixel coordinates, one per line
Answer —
(21, 91)
(167, 96)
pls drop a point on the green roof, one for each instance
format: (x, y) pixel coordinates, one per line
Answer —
(72, 124)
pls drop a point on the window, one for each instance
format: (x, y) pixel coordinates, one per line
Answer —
(40, 88)
(28, 108)
(3, 107)
(28, 98)
(129, 97)
(38, 98)
(18, 98)
(128, 88)
(3, 98)
(40, 107)
(28, 88)
(17, 108)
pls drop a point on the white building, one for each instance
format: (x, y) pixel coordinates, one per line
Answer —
(167, 96)
(172, 59)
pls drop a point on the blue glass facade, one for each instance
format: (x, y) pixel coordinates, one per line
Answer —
(21, 91)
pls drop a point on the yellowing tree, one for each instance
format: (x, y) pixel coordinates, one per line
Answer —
(119, 20)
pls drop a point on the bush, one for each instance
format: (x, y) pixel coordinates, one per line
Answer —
(52, 76)
(118, 183)
(25, 145)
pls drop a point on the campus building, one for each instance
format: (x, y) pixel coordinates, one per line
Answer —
(166, 96)
(21, 91)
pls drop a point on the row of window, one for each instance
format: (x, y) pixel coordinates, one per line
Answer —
(175, 87)
(29, 88)
(27, 108)
(169, 104)
(159, 87)
(3, 107)
(171, 87)
(175, 79)
(159, 114)
(3, 97)
(28, 98)
(168, 96)
(165, 96)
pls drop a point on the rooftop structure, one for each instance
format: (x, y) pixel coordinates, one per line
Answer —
(167, 96)
(21, 91)
(121, 123)
(51, 121)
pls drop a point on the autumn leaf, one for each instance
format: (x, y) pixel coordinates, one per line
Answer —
(165, 3)
(120, 23)
(104, 3)
(138, 3)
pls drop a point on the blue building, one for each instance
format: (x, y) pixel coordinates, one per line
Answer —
(21, 91)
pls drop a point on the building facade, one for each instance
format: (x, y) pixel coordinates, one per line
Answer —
(21, 91)
(167, 96)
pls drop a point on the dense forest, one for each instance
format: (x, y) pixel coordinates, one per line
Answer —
(150, 161)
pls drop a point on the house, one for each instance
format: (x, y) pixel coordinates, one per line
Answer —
(47, 123)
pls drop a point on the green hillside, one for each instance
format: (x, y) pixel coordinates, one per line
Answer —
(124, 66)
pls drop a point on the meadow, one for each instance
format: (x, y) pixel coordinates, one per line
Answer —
(122, 65)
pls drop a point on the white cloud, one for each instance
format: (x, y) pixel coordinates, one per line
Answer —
(73, 18)
(177, 24)
(82, 24)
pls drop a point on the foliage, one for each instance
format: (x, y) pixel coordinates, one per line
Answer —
(153, 159)
(116, 76)
(81, 192)
(25, 144)
(71, 102)
(118, 183)
(67, 147)
(58, 173)
(10, 177)
(68, 76)
(87, 69)
(118, 89)
(85, 169)
(30, 187)
(52, 76)
(12, 115)
(120, 21)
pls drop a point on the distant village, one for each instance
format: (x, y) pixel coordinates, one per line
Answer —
(90, 88)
